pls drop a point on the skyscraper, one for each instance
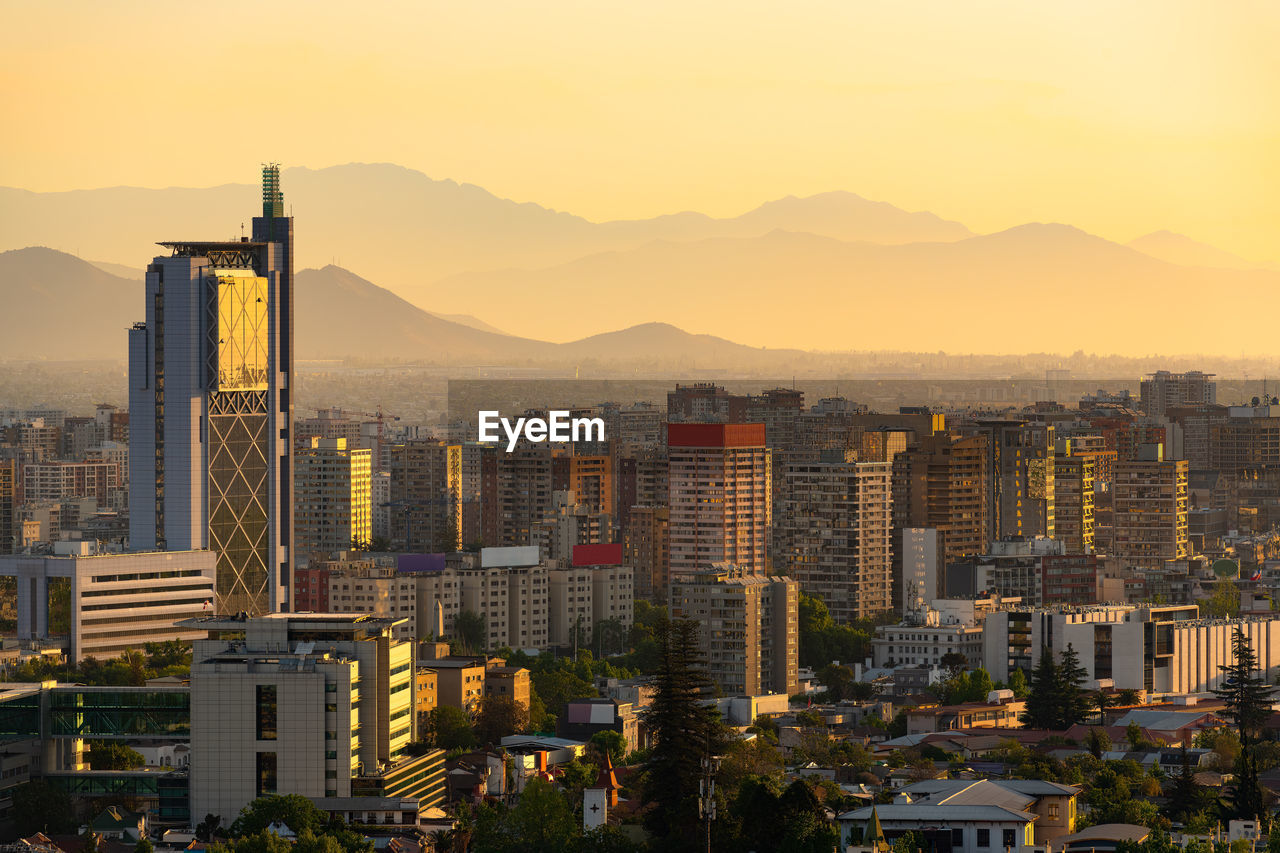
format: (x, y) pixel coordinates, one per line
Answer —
(834, 526)
(719, 496)
(210, 407)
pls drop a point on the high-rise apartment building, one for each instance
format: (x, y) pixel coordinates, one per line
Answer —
(515, 491)
(749, 627)
(719, 486)
(647, 549)
(210, 407)
(1022, 496)
(941, 482)
(1164, 390)
(332, 484)
(7, 536)
(1150, 510)
(1248, 438)
(834, 529)
(922, 570)
(1073, 499)
(425, 510)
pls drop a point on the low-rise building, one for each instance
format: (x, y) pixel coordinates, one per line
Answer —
(98, 605)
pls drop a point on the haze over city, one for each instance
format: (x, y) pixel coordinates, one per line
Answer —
(823, 427)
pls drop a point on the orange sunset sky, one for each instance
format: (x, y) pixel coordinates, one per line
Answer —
(1120, 118)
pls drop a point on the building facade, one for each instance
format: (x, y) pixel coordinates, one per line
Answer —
(719, 501)
(749, 627)
(210, 411)
(834, 527)
(102, 604)
(332, 482)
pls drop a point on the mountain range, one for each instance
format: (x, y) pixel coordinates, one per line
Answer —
(73, 310)
(832, 272)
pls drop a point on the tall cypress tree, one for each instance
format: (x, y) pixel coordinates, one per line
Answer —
(1042, 710)
(1248, 700)
(686, 731)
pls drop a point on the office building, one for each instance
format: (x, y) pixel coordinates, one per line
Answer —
(932, 631)
(1163, 390)
(314, 704)
(834, 529)
(98, 605)
(748, 627)
(1149, 513)
(332, 483)
(210, 411)
(1158, 649)
(719, 486)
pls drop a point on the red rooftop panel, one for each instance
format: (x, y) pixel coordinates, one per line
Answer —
(598, 555)
(715, 435)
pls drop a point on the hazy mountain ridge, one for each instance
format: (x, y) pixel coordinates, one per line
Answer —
(405, 230)
(1036, 287)
(792, 272)
(72, 310)
(1181, 249)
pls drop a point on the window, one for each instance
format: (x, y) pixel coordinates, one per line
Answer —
(957, 838)
(1053, 811)
(267, 712)
(266, 773)
(1008, 839)
(984, 838)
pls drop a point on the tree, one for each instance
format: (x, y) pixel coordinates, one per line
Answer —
(470, 632)
(954, 663)
(207, 828)
(837, 680)
(686, 732)
(1018, 684)
(1248, 705)
(609, 743)
(293, 810)
(1225, 601)
(1102, 702)
(1097, 742)
(1186, 797)
(144, 845)
(1042, 709)
(498, 717)
(1073, 702)
(109, 755)
(39, 807)
(449, 728)
(542, 821)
